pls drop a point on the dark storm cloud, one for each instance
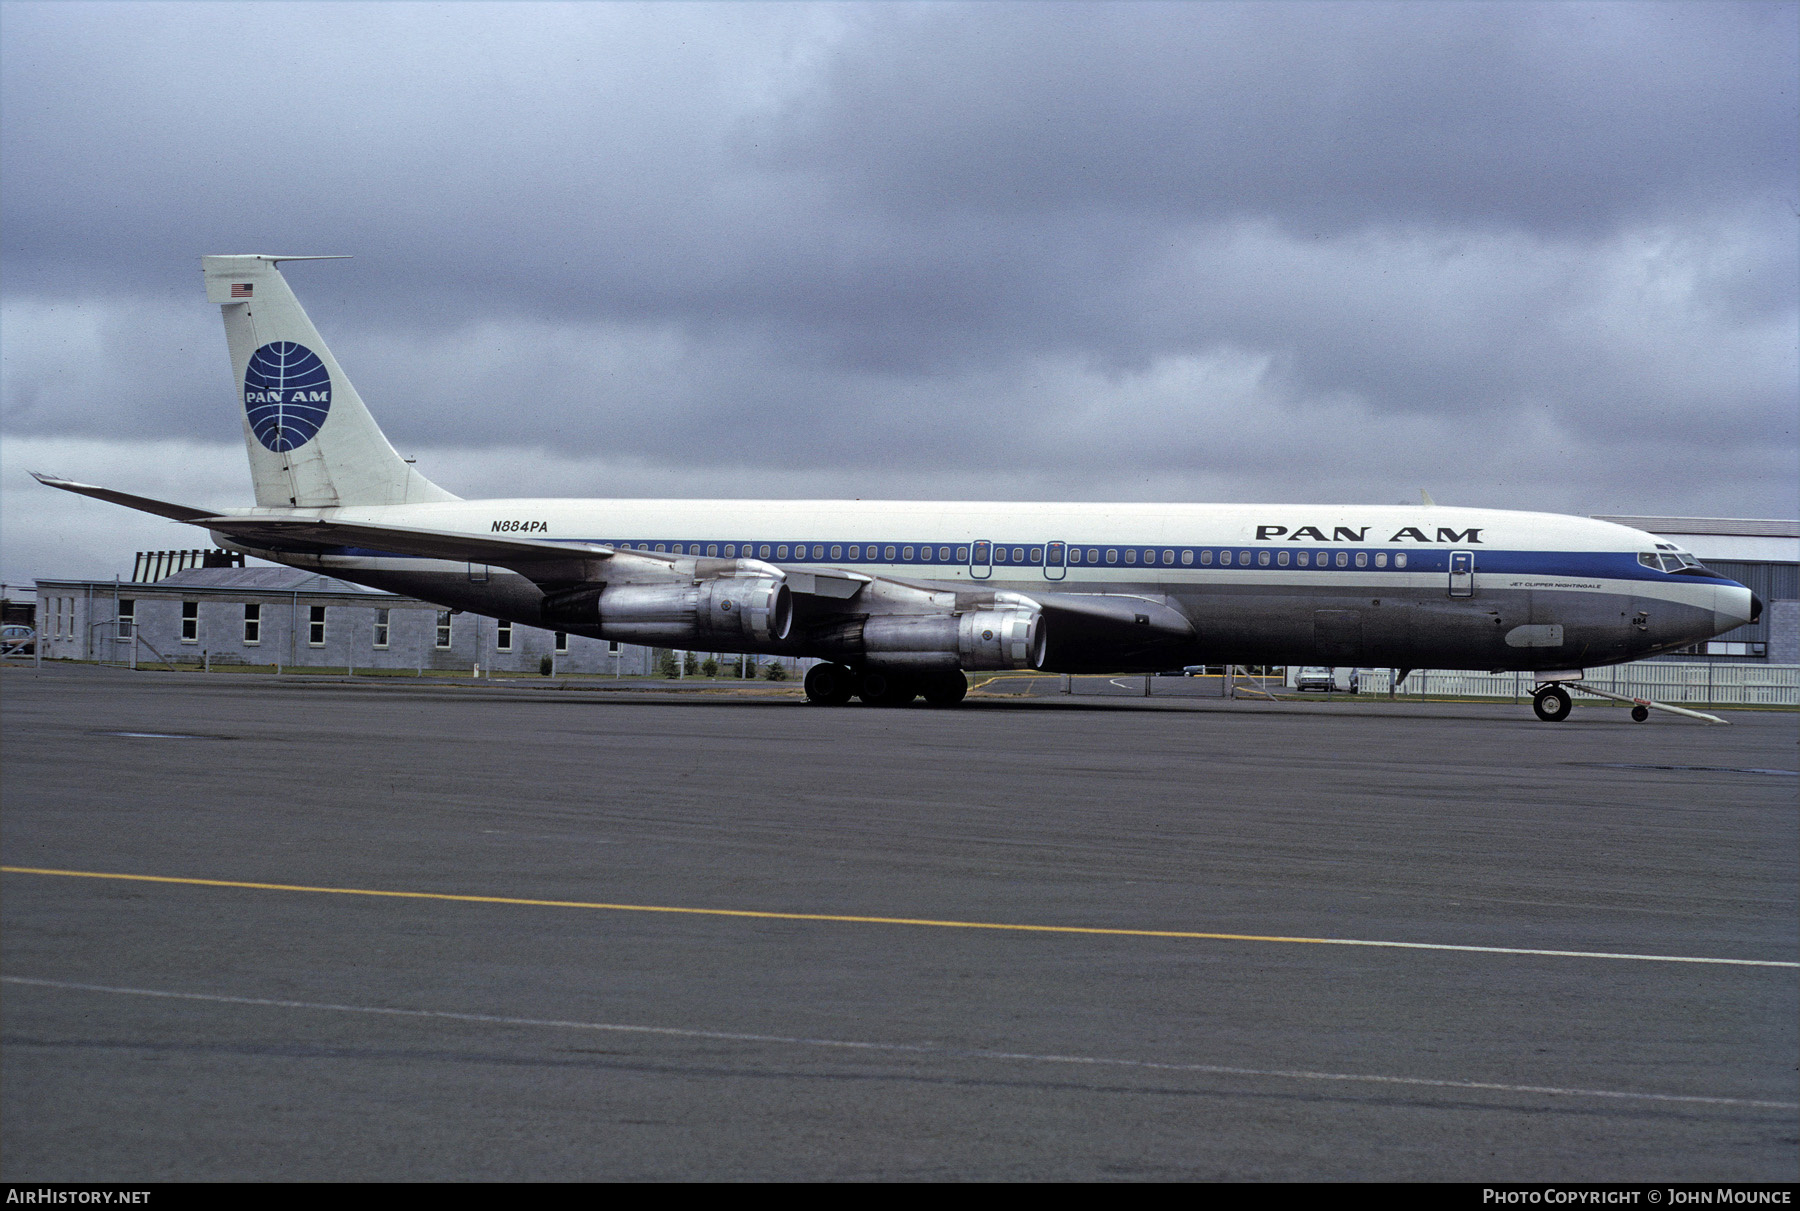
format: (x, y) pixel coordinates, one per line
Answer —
(1288, 250)
(1551, 118)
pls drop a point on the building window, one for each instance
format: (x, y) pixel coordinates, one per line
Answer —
(190, 622)
(252, 623)
(443, 628)
(127, 617)
(562, 641)
(315, 626)
(503, 635)
(381, 628)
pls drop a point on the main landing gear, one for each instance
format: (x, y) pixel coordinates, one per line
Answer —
(836, 684)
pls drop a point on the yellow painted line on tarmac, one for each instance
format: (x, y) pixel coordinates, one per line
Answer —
(759, 914)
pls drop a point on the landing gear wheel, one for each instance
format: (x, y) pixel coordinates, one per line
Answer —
(884, 689)
(1551, 703)
(829, 684)
(1640, 713)
(945, 689)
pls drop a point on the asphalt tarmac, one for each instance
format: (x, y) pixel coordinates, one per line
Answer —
(1348, 940)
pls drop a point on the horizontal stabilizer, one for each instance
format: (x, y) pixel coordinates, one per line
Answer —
(161, 508)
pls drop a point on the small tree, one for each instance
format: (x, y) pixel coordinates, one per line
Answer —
(776, 671)
(690, 664)
(546, 665)
(665, 664)
(709, 667)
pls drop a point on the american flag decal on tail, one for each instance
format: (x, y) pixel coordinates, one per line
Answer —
(241, 290)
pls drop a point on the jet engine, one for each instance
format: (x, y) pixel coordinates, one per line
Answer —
(978, 639)
(727, 613)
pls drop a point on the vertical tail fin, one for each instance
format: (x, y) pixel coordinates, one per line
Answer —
(312, 442)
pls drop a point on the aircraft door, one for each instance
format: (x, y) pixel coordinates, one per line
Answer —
(1462, 573)
(1055, 556)
(981, 559)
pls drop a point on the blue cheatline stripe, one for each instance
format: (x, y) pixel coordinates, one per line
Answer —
(1609, 565)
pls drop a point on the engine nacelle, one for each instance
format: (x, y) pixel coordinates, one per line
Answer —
(979, 639)
(729, 612)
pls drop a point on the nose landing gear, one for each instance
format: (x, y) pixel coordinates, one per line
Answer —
(1552, 703)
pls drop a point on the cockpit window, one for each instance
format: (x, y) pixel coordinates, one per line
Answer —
(1679, 561)
(1648, 559)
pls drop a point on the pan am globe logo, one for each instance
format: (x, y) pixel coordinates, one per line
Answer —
(287, 393)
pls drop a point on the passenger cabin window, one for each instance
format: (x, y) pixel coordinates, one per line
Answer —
(1400, 559)
(1225, 559)
(1187, 558)
(1262, 559)
(1362, 559)
(1343, 559)
(1205, 559)
(1112, 555)
(1281, 558)
(1381, 559)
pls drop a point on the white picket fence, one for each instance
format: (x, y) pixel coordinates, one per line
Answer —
(1681, 684)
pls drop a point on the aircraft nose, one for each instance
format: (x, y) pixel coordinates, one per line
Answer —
(1736, 606)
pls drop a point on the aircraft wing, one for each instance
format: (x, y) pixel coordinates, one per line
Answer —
(316, 534)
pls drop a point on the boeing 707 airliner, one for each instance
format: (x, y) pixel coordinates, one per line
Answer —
(899, 599)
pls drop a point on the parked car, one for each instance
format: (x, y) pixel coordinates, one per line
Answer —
(1316, 679)
(17, 639)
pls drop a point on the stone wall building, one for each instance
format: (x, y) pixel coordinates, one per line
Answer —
(289, 618)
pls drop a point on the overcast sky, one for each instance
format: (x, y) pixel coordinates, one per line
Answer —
(1524, 256)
